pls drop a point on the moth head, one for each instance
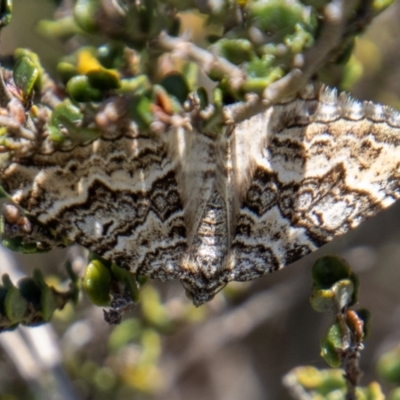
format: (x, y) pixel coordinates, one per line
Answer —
(200, 291)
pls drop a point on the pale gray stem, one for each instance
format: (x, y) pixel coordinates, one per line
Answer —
(209, 62)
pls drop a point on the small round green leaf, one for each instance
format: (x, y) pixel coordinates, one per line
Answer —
(141, 111)
(103, 79)
(47, 303)
(80, 90)
(328, 270)
(55, 134)
(15, 305)
(175, 84)
(323, 300)
(329, 353)
(85, 12)
(6, 13)
(333, 299)
(66, 114)
(237, 51)
(343, 291)
(97, 283)
(26, 74)
(31, 291)
(66, 71)
(331, 344)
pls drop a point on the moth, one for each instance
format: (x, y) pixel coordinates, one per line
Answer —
(210, 210)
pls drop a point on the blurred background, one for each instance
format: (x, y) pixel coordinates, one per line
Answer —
(243, 342)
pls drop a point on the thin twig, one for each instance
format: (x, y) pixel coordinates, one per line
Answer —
(352, 369)
(17, 128)
(5, 95)
(350, 354)
(209, 62)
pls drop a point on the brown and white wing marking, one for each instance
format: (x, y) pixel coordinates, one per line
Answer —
(202, 180)
(119, 198)
(205, 211)
(327, 163)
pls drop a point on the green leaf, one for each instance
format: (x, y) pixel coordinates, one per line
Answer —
(55, 134)
(85, 14)
(237, 51)
(15, 305)
(141, 111)
(333, 299)
(31, 291)
(97, 283)
(26, 74)
(7, 283)
(330, 345)
(278, 17)
(5, 13)
(103, 79)
(66, 114)
(175, 84)
(22, 53)
(66, 71)
(80, 90)
(47, 303)
(328, 270)
(137, 85)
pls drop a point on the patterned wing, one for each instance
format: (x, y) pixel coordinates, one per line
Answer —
(325, 164)
(205, 211)
(119, 198)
